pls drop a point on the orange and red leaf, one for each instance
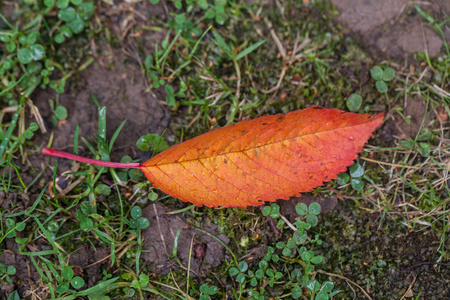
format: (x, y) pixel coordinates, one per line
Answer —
(269, 158)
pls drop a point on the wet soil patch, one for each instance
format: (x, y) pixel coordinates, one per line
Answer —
(387, 259)
(88, 262)
(393, 28)
(26, 279)
(117, 83)
(116, 79)
(287, 208)
(414, 118)
(207, 252)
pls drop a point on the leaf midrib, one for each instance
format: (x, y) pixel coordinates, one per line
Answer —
(259, 147)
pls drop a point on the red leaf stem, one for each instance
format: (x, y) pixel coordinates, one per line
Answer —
(57, 153)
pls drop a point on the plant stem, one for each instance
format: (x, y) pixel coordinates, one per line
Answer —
(57, 153)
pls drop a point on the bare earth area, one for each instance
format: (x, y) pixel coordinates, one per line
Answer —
(392, 28)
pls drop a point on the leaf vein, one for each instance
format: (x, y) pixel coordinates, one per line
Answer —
(264, 167)
(223, 179)
(266, 145)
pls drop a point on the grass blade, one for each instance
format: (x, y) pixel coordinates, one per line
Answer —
(9, 132)
(99, 287)
(198, 42)
(75, 139)
(220, 42)
(116, 134)
(102, 122)
(249, 49)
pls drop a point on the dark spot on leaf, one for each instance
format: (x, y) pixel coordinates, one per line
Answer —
(257, 153)
(244, 132)
(280, 118)
(224, 161)
(264, 123)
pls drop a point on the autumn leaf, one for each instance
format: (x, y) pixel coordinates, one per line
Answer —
(265, 159)
(269, 158)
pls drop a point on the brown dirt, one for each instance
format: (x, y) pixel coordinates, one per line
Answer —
(117, 80)
(393, 28)
(121, 88)
(416, 110)
(386, 258)
(26, 277)
(86, 263)
(396, 127)
(7, 10)
(27, 280)
(287, 208)
(159, 241)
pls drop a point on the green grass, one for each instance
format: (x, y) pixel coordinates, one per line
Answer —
(220, 63)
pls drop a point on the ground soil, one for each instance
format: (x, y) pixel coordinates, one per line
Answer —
(387, 259)
(116, 79)
(416, 110)
(26, 275)
(119, 84)
(196, 249)
(393, 28)
(287, 208)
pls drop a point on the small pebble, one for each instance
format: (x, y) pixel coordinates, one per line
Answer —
(199, 250)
